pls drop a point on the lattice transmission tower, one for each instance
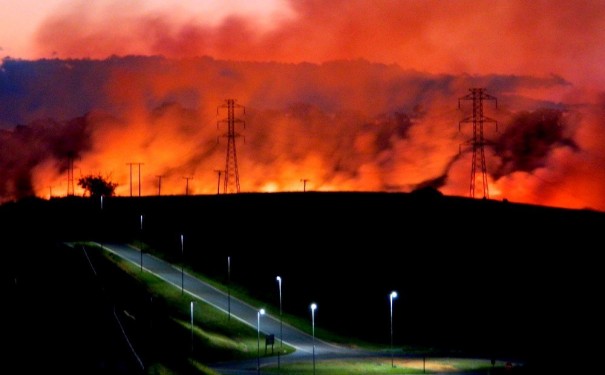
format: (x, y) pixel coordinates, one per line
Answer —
(231, 176)
(478, 95)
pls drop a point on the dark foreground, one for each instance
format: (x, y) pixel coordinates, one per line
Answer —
(474, 277)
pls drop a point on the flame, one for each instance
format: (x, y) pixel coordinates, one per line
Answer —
(347, 96)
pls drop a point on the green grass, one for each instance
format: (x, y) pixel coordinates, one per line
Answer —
(301, 323)
(240, 293)
(213, 331)
(215, 336)
(376, 366)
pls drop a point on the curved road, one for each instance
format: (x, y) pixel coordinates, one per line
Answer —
(301, 341)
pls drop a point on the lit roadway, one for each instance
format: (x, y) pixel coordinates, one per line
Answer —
(302, 341)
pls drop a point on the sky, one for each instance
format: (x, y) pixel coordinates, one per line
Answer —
(22, 20)
(347, 95)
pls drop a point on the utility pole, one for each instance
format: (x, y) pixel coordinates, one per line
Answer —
(187, 185)
(159, 185)
(478, 95)
(130, 165)
(182, 265)
(141, 243)
(304, 181)
(70, 174)
(231, 179)
(139, 165)
(228, 287)
(218, 186)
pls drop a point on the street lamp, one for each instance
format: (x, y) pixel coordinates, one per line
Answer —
(191, 326)
(392, 296)
(141, 243)
(258, 314)
(313, 308)
(281, 328)
(182, 265)
(102, 220)
(228, 288)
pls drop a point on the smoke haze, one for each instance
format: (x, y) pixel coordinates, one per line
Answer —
(343, 94)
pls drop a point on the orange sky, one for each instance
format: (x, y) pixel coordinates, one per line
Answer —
(459, 36)
(463, 36)
(488, 40)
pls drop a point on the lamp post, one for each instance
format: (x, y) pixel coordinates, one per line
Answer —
(191, 326)
(141, 243)
(281, 327)
(182, 265)
(313, 308)
(258, 314)
(101, 223)
(392, 296)
(228, 288)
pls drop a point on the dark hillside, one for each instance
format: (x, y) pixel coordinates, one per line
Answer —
(483, 276)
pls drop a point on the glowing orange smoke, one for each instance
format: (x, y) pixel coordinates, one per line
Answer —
(319, 108)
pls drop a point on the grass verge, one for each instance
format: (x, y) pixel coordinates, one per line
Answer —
(380, 366)
(157, 319)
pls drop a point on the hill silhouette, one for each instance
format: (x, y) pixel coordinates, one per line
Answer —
(476, 276)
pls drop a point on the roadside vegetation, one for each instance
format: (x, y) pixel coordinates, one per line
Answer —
(215, 338)
(303, 324)
(157, 319)
(382, 366)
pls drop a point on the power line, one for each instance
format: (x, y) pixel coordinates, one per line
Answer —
(159, 184)
(187, 184)
(218, 185)
(231, 179)
(478, 95)
(304, 181)
(139, 181)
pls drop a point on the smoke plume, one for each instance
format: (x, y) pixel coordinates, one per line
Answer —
(340, 94)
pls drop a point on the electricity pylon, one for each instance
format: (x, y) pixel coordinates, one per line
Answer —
(478, 95)
(231, 179)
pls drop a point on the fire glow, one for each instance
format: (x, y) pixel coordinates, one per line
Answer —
(318, 109)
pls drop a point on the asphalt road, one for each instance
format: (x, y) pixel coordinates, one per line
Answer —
(301, 341)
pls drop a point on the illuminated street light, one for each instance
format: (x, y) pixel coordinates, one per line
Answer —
(182, 265)
(313, 308)
(281, 330)
(228, 288)
(192, 326)
(392, 296)
(141, 243)
(258, 314)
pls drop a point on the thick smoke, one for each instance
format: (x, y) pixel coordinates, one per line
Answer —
(453, 37)
(375, 128)
(528, 140)
(41, 144)
(345, 95)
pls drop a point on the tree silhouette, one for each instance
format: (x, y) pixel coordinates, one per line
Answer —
(97, 186)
